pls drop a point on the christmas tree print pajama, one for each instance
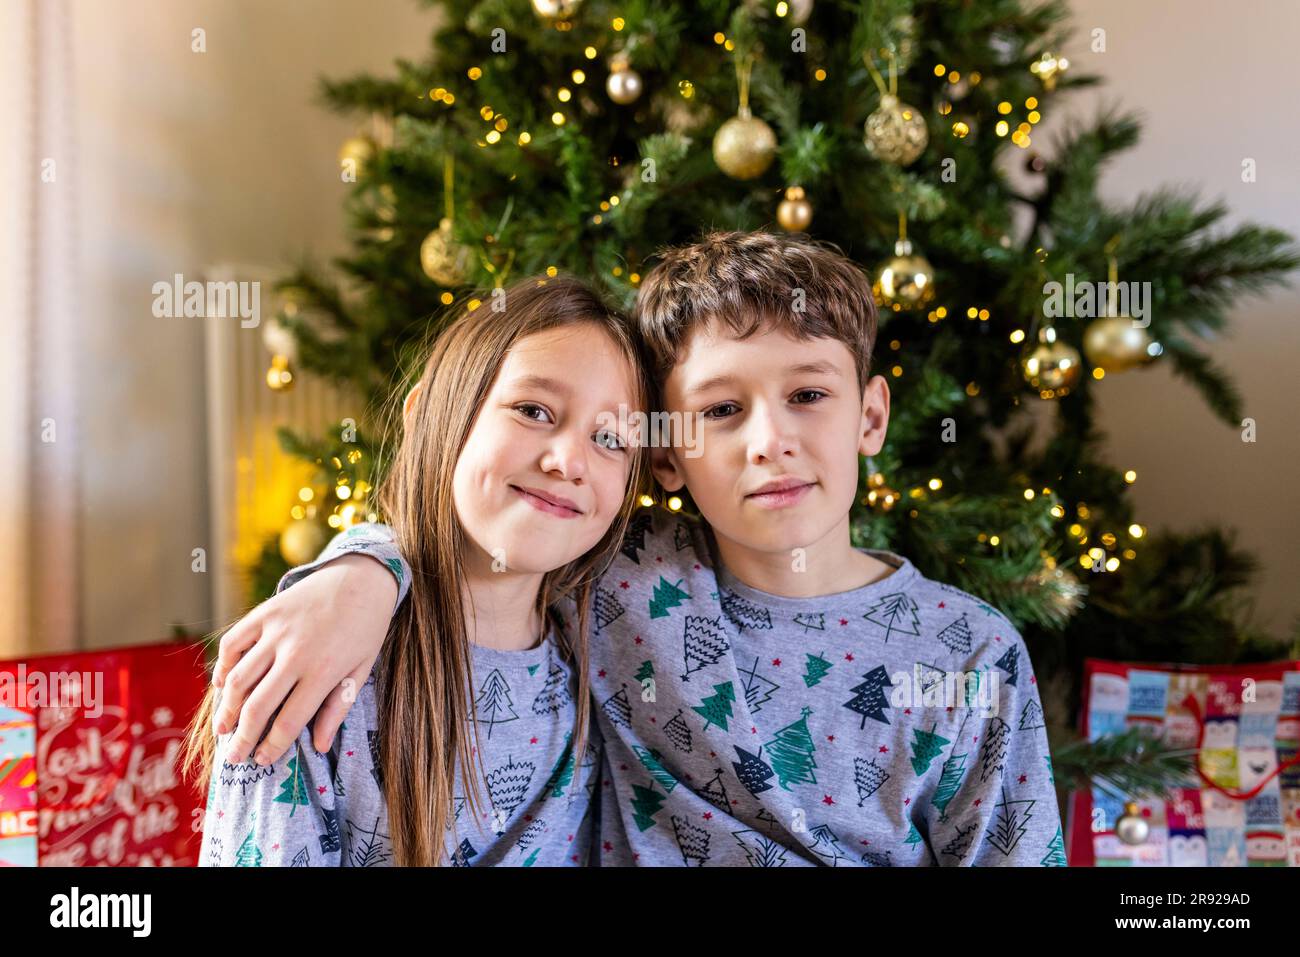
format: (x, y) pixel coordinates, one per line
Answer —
(329, 810)
(897, 724)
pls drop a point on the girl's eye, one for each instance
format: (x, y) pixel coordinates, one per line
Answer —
(719, 411)
(527, 408)
(610, 440)
(816, 394)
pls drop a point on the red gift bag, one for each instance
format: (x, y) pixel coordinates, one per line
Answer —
(1240, 807)
(109, 731)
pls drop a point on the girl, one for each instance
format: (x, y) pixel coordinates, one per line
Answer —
(509, 492)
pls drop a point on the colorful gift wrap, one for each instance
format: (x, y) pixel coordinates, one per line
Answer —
(1243, 809)
(98, 779)
(17, 788)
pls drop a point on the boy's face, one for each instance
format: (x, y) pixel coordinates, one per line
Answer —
(772, 408)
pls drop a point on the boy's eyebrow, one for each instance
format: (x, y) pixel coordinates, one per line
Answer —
(820, 367)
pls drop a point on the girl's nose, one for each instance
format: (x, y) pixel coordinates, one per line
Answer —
(566, 456)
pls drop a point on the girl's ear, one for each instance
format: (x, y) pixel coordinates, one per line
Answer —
(409, 404)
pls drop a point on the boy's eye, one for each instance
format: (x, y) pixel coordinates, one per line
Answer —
(721, 410)
(528, 408)
(816, 394)
(610, 440)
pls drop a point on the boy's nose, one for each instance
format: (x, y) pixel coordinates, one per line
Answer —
(771, 437)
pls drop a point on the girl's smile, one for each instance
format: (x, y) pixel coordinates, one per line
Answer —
(550, 504)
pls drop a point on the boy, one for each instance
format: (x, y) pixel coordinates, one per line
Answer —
(769, 695)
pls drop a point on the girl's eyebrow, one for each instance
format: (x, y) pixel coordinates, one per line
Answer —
(542, 382)
(534, 381)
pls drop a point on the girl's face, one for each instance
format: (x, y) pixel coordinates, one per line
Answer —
(543, 473)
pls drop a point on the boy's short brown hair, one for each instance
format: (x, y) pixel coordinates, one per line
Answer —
(748, 282)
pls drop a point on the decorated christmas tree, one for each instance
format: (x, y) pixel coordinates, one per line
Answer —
(583, 135)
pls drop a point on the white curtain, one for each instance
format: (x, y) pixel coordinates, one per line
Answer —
(39, 279)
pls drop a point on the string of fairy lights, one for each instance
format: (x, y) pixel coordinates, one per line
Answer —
(744, 147)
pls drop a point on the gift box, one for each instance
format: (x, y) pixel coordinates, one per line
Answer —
(1240, 806)
(17, 788)
(101, 734)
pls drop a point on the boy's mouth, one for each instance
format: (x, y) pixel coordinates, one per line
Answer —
(780, 493)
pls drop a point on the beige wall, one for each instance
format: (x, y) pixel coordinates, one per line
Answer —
(1216, 83)
(190, 159)
(186, 160)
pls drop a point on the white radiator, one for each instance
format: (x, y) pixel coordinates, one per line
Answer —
(252, 482)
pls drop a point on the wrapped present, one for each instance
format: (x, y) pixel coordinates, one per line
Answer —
(1240, 807)
(104, 761)
(17, 788)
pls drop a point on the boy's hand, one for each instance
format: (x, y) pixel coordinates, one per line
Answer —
(318, 639)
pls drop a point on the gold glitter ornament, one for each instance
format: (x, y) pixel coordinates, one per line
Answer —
(795, 212)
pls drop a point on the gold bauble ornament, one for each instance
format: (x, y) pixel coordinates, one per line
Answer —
(278, 377)
(556, 9)
(356, 153)
(895, 132)
(445, 261)
(1132, 828)
(302, 540)
(795, 212)
(623, 84)
(744, 146)
(906, 280)
(1115, 343)
(1051, 366)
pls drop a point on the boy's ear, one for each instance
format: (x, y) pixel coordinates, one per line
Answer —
(409, 403)
(875, 416)
(663, 464)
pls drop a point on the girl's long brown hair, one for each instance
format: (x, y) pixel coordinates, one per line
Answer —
(425, 682)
